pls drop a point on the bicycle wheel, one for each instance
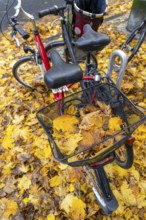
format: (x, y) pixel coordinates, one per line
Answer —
(101, 189)
(124, 156)
(27, 73)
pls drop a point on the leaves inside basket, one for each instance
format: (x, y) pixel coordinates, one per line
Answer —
(78, 129)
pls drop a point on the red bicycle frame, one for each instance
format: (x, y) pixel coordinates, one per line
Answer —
(42, 51)
(58, 93)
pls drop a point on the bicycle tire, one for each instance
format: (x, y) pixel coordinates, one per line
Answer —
(127, 162)
(26, 72)
(108, 203)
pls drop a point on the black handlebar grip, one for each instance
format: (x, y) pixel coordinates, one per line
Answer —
(52, 10)
(23, 33)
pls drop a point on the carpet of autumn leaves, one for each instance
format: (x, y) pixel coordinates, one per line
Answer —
(35, 186)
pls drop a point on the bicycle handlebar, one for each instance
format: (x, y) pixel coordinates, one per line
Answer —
(22, 32)
(53, 10)
(18, 28)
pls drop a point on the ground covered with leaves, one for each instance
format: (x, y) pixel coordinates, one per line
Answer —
(35, 186)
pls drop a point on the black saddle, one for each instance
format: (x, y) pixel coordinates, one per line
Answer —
(91, 40)
(61, 73)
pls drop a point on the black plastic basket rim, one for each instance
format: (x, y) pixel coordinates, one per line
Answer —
(89, 14)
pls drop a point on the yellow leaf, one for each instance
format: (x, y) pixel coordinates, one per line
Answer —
(84, 187)
(135, 174)
(78, 209)
(26, 200)
(142, 185)
(69, 144)
(65, 123)
(40, 142)
(18, 119)
(114, 123)
(2, 185)
(71, 188)
(141, 202)
(21, 133)
(140, 84)
(133, 118)
(8, 141)
(24, 183)
(71, 110)
(142, 128)
(10, 207)
(91, 119)
(127, 87)
(121, 172)
(67, 202)
(51, 217)
(62, 166)
(42, 154)
(55, 181)
(128, 194)
(128, 214)
(47, 152)
(8, 168)
(33, 199)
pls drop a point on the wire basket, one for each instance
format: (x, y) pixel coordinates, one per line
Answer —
(105, 93)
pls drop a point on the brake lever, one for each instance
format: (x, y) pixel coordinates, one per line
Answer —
(57, 19)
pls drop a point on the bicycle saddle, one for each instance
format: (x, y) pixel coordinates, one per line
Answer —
(61, 73)
(91, 40)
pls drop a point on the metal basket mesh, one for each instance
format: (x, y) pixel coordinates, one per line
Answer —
(106, 92)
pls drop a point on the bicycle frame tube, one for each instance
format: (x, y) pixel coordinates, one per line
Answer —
(42, 51)
(68, 42)
(58, 96)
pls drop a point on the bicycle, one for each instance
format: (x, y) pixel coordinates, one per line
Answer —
(102, 89)
(93, 157)
(129, 44)
(37, 63)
